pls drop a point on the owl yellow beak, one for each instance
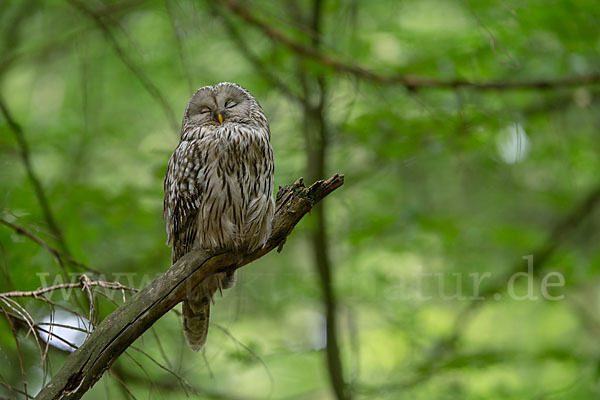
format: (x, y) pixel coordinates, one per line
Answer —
(220, 117)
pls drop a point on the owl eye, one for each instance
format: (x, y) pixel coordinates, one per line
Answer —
(230, 104)
(204, 110)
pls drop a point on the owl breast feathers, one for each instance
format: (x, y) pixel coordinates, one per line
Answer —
(218, 188)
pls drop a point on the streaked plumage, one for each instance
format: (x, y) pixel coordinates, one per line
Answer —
(218, 189)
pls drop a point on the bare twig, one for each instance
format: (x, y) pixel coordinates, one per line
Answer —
(39, 191)
(185, 385)
(493, 40)
(408, 81)
(115, 375)
(148, 377)
(20, 356)
(252, 354)
(120, 329)
(171, 385)
(83, 283)
(14, 389)
(24, 314)
(47, 327)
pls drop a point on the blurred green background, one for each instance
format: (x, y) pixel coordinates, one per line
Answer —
(445, 186)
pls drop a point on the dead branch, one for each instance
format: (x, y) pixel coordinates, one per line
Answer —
(410, 82)
(120, 329)
(83, 283)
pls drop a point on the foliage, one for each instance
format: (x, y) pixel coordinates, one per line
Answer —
(441, 181)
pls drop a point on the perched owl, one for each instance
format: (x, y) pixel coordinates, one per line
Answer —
(218, 189)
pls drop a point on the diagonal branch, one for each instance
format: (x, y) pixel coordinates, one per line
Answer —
(408, 81)
(59, 256)
(35, 182)
(120, 329)
(140, 75)
(261, 67)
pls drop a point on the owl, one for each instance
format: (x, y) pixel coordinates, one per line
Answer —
(218, 189)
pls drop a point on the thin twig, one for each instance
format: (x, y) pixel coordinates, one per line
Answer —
(37, 186)
(257, 63)
(143, 369)
(83, 284)
(161, 349)
(179, 45)
(493, 40)
(58, 255)
(123, 385)
(183, 383)
(20, 356)
(150, 87)
(14, 389)
(24, 314)
(252, 353)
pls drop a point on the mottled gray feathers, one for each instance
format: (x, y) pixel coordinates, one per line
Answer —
(218, 189)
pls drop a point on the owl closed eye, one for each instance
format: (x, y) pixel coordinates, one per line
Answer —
(221, 104)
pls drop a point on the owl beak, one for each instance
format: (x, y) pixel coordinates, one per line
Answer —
(220, 118)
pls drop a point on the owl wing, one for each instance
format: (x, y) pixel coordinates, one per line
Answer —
(182, 199)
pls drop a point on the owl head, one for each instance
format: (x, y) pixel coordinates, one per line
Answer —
(221, 104)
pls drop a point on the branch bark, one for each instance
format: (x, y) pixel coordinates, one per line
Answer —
(119, 330)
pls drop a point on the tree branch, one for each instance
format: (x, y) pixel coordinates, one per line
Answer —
(408, 81)
(261, 67)
(316, 137)
(121, 328)
(150, 87)
(83, 283)
(57, 254)
(35, 182)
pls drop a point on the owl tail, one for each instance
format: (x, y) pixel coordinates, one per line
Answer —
(196, 316)
(196, 308)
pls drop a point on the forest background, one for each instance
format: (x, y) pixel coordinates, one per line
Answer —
(467, 131)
